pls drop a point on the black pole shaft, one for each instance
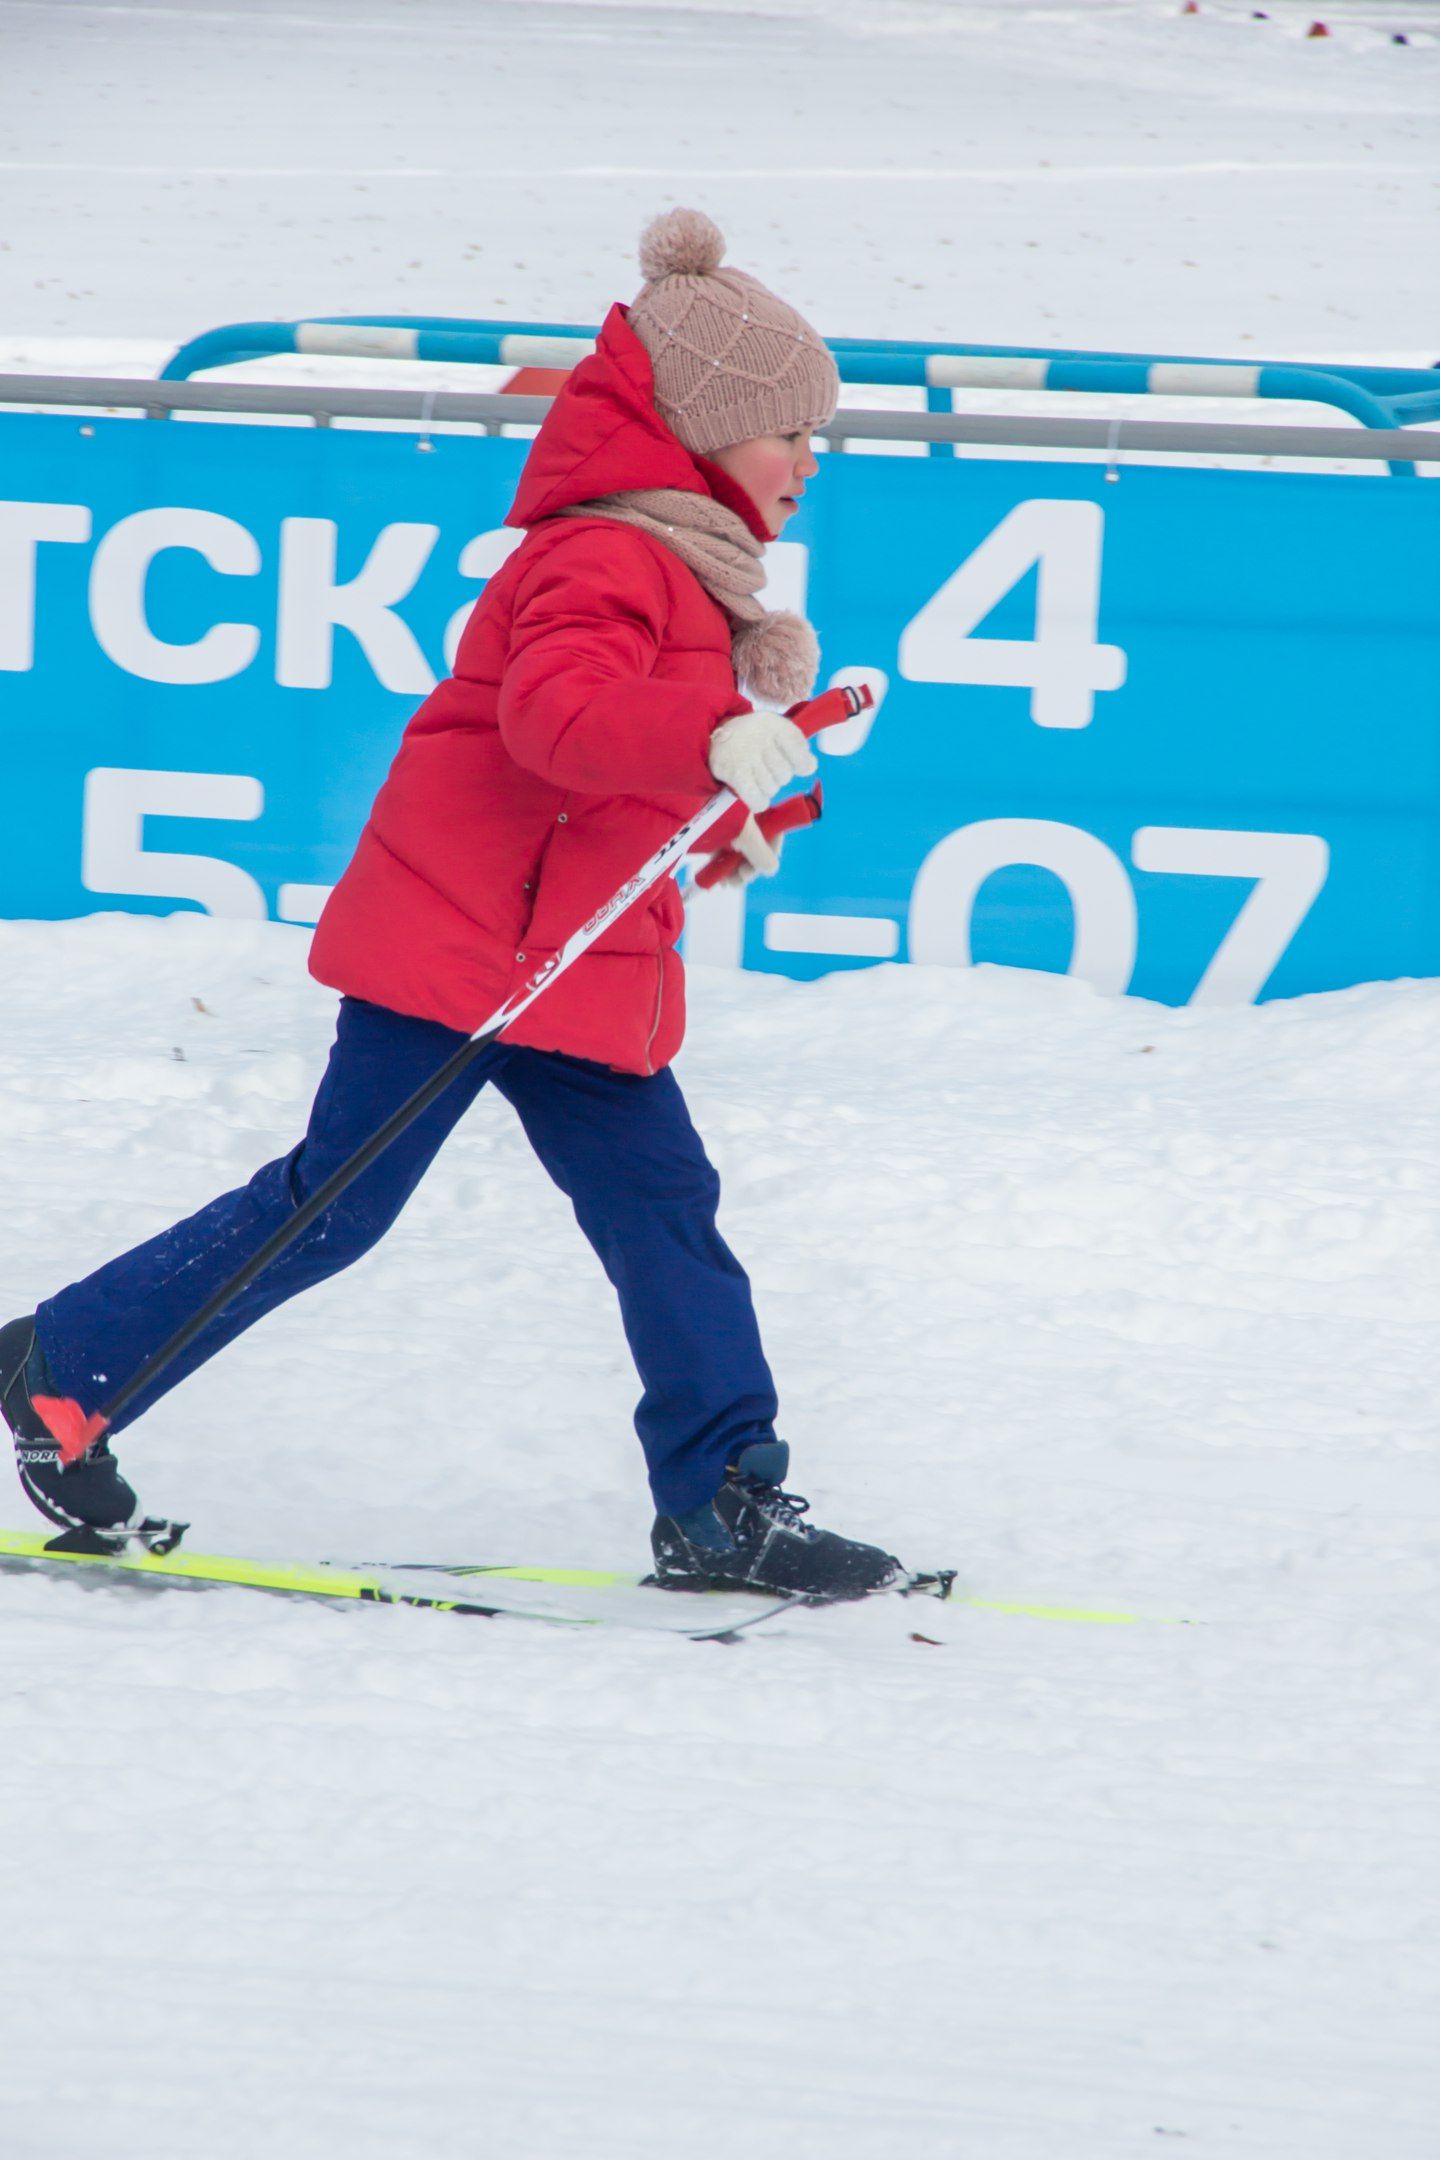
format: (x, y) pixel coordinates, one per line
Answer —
(299, 1222)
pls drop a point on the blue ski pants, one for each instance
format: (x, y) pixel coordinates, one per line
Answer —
(623, 1149)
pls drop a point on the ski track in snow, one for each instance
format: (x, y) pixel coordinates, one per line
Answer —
(1109, 1304)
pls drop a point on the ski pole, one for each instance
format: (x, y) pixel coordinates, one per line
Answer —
(774, 823)
(68, 1423)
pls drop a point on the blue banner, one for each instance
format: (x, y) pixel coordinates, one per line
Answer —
(1175, 731)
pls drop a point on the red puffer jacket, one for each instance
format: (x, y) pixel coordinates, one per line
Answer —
(569, 743)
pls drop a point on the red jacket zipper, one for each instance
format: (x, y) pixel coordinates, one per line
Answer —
(659, 1001)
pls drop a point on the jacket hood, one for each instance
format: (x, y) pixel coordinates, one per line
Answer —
(603, 436)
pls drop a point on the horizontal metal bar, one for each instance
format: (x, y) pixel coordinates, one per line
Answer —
(302, 400)
(1117, 434)
(1420, 405)
(1111, 435)
(238, 341)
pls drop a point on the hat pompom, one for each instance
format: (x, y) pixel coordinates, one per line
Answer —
(777, 658)
(681, 243)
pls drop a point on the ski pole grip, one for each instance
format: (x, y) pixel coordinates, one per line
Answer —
(831, 707)
(780, 818)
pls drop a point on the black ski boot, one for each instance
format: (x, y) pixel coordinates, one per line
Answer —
(752, 1536)
(88, 1495)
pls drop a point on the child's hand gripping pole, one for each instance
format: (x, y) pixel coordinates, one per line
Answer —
(774, 823)
(75, 1430)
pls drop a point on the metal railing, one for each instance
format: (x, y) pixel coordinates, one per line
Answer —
(494, 411)
(1378, 397)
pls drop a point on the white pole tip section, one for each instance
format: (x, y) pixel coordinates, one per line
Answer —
(976, 371)
(356, 341)
(1174, 378)
(517, 350)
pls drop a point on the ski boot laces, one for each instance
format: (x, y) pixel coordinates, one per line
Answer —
(784, 1509)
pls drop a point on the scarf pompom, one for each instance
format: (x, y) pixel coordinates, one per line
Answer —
(777, 658)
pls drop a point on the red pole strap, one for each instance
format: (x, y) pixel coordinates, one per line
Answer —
(831, 707)
(779, 819)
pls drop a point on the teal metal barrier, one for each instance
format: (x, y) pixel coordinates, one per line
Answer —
(1375, 396)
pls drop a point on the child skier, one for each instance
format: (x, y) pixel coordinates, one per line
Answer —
(593, 706)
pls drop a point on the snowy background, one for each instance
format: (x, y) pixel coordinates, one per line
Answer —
(1107, 1305)
(1109, 174)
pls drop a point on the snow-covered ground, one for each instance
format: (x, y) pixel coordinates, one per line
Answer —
(1107, 173)
(1108, 1305)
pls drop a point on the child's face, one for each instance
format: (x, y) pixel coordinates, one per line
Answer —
(773, 470)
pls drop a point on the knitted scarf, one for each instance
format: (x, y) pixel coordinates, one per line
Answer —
(775, 653)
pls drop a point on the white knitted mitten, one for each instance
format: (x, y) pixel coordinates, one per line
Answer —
(758, 857)
(756, 753)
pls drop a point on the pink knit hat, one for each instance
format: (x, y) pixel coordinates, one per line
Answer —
(730, 360)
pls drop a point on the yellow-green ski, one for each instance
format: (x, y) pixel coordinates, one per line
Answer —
(563, 1596)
